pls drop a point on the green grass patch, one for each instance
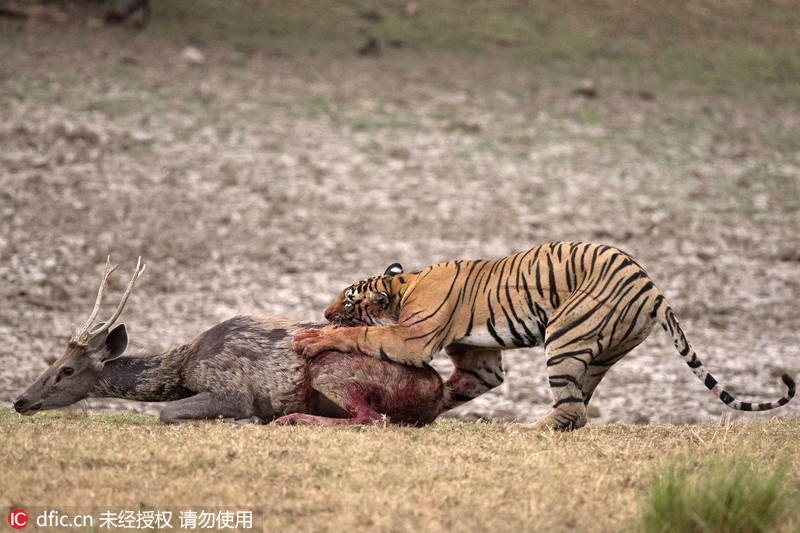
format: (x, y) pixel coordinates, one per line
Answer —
(676, 47)
(634, 44)
(303, 28)
(734, 494)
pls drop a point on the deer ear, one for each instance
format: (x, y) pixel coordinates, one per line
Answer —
(116, 343)
(393, 269)
(380, 298)
(97, 342)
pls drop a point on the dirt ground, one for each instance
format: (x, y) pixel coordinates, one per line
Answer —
(252, 180)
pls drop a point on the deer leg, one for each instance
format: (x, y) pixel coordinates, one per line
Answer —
(208, 406)
(477, 370)
(357, 405)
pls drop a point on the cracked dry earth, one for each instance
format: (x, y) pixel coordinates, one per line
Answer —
(269, 188)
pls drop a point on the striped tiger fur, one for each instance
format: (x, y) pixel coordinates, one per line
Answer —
(588, 304)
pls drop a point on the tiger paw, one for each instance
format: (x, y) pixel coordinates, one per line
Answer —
(310, 343)
(303, 338)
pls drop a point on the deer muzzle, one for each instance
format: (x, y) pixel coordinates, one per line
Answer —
(26, 407)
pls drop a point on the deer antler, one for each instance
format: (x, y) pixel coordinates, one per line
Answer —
(83, 335)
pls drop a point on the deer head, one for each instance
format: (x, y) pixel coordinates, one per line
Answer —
(73, 376)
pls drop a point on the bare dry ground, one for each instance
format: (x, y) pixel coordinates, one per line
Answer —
(282, 165)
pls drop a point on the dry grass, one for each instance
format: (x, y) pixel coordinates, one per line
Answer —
(723, 493)
(452, 476)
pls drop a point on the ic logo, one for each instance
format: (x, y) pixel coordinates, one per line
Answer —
(18, 518)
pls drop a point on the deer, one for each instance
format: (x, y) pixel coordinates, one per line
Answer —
(242, 369)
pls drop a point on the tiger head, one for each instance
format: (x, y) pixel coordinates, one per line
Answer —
(366, 303)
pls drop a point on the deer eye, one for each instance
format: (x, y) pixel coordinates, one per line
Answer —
(68, 370)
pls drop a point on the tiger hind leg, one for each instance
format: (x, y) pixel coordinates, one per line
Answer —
(603, 362)
(477, 370)
(600, 366)
(575, 371)
(566, 371)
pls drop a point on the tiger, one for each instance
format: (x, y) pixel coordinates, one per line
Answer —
(588, 304)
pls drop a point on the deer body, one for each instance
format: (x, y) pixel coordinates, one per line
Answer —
(237, 369)
(241, 368)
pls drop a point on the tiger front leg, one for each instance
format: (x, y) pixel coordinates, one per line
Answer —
(388, 343)
(477, 370)
(312, 342)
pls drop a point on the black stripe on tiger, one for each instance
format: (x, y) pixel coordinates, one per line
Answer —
(554, 300)
(569, 399)
(558, 381)
(479, 378)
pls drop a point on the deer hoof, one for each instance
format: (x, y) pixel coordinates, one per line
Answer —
(252, 420)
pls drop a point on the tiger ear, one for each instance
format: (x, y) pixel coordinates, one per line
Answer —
(393, 269)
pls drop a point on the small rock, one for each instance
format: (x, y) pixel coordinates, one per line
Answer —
(586, 89)
(141, 136)
(57, 16)
(371, 48)
(193, 56)
(404, 154)
(94, 23)
(371, 15)
(412, 8)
